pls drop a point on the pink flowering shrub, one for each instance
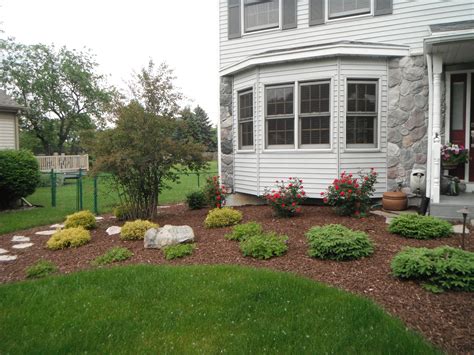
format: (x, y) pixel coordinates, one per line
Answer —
(286, 197)
(350, 196)
(454, 154)
(215, 193)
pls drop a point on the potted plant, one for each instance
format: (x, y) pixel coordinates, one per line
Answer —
(452, 155)
(395, 200)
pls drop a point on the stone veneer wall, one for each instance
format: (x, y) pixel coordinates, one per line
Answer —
(226, 132)
(407, 118)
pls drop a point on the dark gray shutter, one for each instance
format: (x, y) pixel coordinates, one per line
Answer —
(316, 12)
(289, 14)
(383, 7)
(233, 19)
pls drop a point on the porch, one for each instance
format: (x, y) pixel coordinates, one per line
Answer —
(449, 206)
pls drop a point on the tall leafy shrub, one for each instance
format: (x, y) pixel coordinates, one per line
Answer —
(19, 176)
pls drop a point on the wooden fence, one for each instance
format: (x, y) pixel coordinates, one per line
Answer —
(63, 163)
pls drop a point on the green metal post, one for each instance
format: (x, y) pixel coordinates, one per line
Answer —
(80, 190)
(53, 188)
(96, 206)
(198, 179)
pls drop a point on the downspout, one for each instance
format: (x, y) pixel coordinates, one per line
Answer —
(429, 64)
(256, 121)
(219, 153)
(338, 135)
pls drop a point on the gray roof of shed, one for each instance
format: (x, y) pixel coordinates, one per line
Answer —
(453, 26)
(7, 103)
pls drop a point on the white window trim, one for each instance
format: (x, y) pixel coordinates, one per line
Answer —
(348, 17)
(246, 148)
(263, 30)
(365, 79)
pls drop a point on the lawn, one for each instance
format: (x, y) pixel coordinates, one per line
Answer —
(194, 309)
(107, 199)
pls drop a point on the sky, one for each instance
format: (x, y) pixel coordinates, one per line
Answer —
(124, 35)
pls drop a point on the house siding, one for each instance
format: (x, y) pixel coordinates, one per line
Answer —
(8, 131)
(408, 25)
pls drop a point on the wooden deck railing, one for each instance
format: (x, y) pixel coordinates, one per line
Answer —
(63, 163)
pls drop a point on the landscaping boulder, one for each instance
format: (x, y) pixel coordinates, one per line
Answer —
(168, 235)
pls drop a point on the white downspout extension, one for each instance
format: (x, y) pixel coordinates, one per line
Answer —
(436, 151)
(429, 163)
(219, 165)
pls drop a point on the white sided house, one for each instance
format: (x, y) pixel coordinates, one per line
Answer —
(9, 129)
(312, 88)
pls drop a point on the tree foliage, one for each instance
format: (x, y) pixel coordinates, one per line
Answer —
(59, 88)
(199, 128)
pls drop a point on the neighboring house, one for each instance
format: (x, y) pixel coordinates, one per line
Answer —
(311, 88)
(9, 130)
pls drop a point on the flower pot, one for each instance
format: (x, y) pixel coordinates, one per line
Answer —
(395, 201)
(449, 166)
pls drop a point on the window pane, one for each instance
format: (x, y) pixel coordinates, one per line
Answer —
(457, 111)
(280, 101)
(362, 97)
(315, 130)
(340, 8)
(315, 98)
(361, 130)
(261, 14)
(246, 134)
(245, 106)
(280, 131)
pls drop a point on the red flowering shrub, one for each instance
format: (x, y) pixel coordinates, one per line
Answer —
(350, 196)
(287, 197)
(215, 193)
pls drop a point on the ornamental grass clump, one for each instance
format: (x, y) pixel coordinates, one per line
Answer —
(420, 227)
(286, 198)
(69, 238)
(112, 255)
(442, 268)
(222, 217)
(264, 246)
(350, 196)
(41, 269)
(178, 251)
(136, 230)
(337, 242)
(244, 231)
(84, 219)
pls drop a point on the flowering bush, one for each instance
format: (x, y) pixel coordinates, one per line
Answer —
(350, 196)
(215, 193)
(454, 154)
(286, 199)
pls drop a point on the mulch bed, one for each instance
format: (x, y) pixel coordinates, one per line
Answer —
(446, 319)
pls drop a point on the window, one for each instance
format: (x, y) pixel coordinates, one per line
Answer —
(246, 120)
(361, 120)
(314, 114)
(280, 120)
(261, 14)
(342, 8)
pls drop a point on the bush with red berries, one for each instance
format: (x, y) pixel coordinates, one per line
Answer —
(350, 196)
(215, 192)
(286, 198)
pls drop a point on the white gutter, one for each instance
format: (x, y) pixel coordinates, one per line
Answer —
(429, 64)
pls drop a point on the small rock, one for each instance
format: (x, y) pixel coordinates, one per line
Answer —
(99, 218)
(3, 251)
(7, 257)
(20, 239)
(22, 246)
(388, 220)
(57, 226)
(50, 232)
(458, 229)
(168, 235)
(113, 230)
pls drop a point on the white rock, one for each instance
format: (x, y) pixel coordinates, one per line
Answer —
(57, 226)
(22, 246)
(3, 251)
(458, 229)
(168, 235)
(113, 230)
(50, 232)
(20, 239)
(99, 218)
(7, 257)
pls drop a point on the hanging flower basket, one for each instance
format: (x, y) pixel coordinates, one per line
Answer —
(453, 155)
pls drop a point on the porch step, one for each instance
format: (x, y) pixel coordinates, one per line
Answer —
(449, 206)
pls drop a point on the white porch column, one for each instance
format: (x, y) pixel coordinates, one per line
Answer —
(436, 148)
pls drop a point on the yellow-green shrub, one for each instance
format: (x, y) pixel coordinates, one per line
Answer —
(222, 217)
(85, 219)
(136, 229)
(69, 238)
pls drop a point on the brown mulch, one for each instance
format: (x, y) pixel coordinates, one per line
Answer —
(446, 319)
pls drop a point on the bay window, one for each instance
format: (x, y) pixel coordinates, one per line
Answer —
(279, 118)
(245, 120)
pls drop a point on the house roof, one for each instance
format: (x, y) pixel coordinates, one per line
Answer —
(7, 103)
(452, 26)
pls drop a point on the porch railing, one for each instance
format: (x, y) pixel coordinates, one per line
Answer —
(63, 163)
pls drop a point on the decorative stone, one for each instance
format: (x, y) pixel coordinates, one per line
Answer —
(419, 61)
(397, 118)
(20, 239)
(420, 101)
(417, 119)
(99, 218)
(392, 161)
(407, 103)
(50, 232)
(3, 251)
(414, 73)
(405, 88)
(7, 257)
(57, 226)
(393, 63)
(407, 141)
(168, 235)
(416, 87)
(405, 62)
(394, 136)
(394, 77)
(457, 229)
(113, 230)
(420, 158)
(393, 150)
(418, 133)
(393, 97)
(22, 246)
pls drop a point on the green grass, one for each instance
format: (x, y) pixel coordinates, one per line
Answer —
(194, 309)
(66, 201)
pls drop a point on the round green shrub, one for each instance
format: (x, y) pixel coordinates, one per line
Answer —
(244, 231)
(85, 219)
(264, 246)
(196, 200)
(442, 268)
(69, 238)
(420, 227)
(136, 230)
(122, 212)
(19, 176)
(222, 217)
(337, 242)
